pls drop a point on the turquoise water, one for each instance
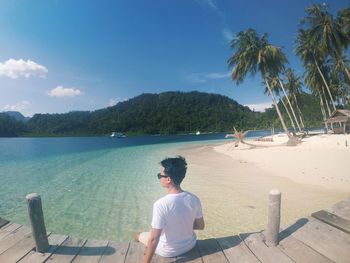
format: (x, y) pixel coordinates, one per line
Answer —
(91, 187)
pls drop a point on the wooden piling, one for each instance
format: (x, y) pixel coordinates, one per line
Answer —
(37, 222)
(274, 216)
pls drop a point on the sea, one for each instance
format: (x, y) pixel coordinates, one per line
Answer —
(91, 187)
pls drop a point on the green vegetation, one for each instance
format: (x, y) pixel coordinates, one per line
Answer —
(164, 113)
(321, 44)
(10, 127)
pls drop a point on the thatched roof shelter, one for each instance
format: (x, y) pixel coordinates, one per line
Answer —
(341, 117)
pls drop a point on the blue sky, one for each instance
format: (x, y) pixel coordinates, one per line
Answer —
(59, 56)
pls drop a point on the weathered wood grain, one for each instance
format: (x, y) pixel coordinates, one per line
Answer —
(6, 230)
(3, 222)
(67, 251)
(34, 257)
(341, 209)
(236, 250)
(13, 237)
(18, 250)
(325, 239)
(115, 252)
(135, 252)
(256, 244)
(333, 220)
(300, 252)
(91, 251)
(210, 251)
(192, 256)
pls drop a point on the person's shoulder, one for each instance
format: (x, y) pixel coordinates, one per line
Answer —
(193, 196)
(161, 201)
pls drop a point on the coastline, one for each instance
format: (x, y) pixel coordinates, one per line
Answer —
(234, 189)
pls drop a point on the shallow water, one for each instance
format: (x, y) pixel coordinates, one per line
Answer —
(97, 187)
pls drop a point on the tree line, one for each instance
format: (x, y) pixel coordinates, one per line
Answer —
(164, 113)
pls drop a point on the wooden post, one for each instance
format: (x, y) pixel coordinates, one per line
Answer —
(273, 220)
(37, 222)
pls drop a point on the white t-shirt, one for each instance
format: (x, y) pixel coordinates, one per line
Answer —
(175, 215)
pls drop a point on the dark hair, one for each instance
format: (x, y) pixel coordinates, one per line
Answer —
(175, 168)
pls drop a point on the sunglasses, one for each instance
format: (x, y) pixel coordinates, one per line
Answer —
(162, 176)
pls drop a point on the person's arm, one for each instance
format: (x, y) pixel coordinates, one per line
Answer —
(198, 224)
(152, 244)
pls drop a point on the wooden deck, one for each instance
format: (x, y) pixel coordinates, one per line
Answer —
(322, 237)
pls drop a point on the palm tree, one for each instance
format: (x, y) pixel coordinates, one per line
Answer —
(255, 54)
(312, 57)
(294, 87)
(276, 88)
(327, 33)
(343, 19)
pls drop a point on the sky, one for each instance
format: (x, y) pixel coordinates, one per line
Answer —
(58, 56)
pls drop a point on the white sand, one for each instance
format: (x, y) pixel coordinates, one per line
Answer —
(321, 160)
(233, 182)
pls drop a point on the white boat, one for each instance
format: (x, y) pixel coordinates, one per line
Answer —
(117, 135)
(198, 133)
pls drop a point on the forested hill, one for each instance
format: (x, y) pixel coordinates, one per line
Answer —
(164, 113)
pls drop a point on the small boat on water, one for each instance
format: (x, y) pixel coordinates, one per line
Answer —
(198, 133)
(118, 135)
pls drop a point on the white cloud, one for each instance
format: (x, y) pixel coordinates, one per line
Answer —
(228, 35)
(259, 106)
(20, 106)
(204, 77)
(114, 101)
(61, 92)
(20, 68)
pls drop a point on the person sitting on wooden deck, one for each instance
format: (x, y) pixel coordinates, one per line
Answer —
(175, 215)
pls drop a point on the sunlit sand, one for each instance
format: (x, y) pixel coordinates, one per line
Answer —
(233, 182)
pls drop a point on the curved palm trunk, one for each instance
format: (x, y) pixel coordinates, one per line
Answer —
(323, 110)
(290, 116)
(299, 111)
(325, 82)
(325, 101)
(277, 109)
(290, 105)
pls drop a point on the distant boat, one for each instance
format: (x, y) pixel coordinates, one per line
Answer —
(198, 133)
(117, 135)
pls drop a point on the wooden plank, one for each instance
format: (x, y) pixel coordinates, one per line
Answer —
(341, 209)
(325, 239)
(6, 230)
(14, 237)
(192, 256)
(91, 252)
(115, 252)
(256, 244)
(333, 220)
(236, 250)
(210, 251)
(135, 252)
(158, 259)
(3, 222)
(33, 257)
(300, 252)
(18, 250)
(67, 251)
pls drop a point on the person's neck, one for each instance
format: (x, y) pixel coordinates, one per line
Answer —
(174, 189)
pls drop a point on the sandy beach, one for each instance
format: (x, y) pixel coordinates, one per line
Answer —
(233, 182)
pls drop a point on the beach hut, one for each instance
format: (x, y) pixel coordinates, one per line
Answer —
(340, 121)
